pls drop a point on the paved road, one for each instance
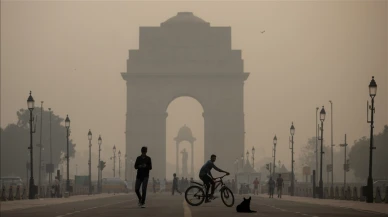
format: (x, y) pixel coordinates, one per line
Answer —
(165, 205)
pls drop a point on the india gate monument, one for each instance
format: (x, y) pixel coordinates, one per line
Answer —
(185, 56)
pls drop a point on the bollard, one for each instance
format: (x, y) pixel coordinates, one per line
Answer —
(24, 195)
(378, 195)
(18, 196)
(336, 196)
(355, 195)
(342, 196)
(362, 195)
(3, 194)
(10, 193)
(332, 193)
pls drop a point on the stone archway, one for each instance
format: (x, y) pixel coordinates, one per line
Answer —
(185, 56)
(185, 134)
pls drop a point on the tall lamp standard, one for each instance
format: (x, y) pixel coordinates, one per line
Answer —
(346, 165)
(119, 155)
(316, 142)
(275, 141)
(292, 132)
(332, 145)
(32, 189)
(372, 94)
(99, 164)
(126, 166)
(114, 160)
(67, 125)
(51, 153)
(253, 157)
(322, 118)
(90, 161)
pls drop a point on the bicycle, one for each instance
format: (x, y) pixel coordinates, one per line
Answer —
(200, 189)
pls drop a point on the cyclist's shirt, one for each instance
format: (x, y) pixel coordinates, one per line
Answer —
(205, 170)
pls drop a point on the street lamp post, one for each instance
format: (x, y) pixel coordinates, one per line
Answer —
(275, 140)
(31, 105)
(126, 166)
(90, 161)
(372, 94)
(332, 145)
(253, 157)
(51, 153)
(292, 132)
(67, 125)
(247, 157)
(242, 162)
(114, 160)
(322, 118)
(99, 164)
(119, 155)
(316, 142)
(40, 147)
(345, 162)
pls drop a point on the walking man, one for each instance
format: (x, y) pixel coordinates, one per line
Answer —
(256, 187)
(175, 185)
(143, 165)
(271, 186)
(280, 185)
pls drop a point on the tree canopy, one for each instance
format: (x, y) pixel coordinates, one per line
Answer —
(15, 140)
(359, 156)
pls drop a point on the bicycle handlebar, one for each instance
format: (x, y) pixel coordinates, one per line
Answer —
(221, 176)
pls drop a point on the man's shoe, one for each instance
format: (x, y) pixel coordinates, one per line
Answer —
(143, 205)
(207, 201)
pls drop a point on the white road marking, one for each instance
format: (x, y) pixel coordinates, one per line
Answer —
(71, 213)
(186, 209)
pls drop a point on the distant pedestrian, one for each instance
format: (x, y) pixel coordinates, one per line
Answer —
(271, 187)
(143, 165)
(256, 187)
(280, 185)
(154, 184)
(175, 184)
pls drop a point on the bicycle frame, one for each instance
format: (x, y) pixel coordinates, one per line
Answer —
(217, 183)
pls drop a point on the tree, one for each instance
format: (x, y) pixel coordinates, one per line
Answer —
(15, 140)
(359, 156)
(307, 156)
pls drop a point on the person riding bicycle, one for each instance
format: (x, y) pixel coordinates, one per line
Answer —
(206, 176)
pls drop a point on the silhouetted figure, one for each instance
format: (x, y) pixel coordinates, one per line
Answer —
(175, 184)
(280, 185)
(143, 165)
(206, 176)
(256, 186)
(271, 187)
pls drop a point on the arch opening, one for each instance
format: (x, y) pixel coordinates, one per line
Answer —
(184, 130)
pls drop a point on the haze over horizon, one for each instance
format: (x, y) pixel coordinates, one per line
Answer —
(70, 55)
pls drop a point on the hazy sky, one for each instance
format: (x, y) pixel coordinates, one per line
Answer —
(70, 54)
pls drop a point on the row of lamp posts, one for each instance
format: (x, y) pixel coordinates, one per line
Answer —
(32, 189)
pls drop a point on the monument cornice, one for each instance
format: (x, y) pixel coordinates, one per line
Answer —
(221, 75)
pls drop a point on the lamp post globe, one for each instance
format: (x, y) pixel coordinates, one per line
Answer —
(30, 102)
(114, 149)
(275, 140)
(372, 87)
(99, 140)
(322, 114)
(67, 121)
(253, 150)
(292, 129)
(119, 154)
(90, 135)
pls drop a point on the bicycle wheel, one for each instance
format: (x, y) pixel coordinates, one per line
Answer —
(227, 197)
(194, 195)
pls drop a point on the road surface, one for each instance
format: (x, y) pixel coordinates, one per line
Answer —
(166, 205)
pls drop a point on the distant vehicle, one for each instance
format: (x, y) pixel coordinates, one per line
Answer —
(114, 185)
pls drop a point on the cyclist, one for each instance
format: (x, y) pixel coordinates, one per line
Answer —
(206, 176)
